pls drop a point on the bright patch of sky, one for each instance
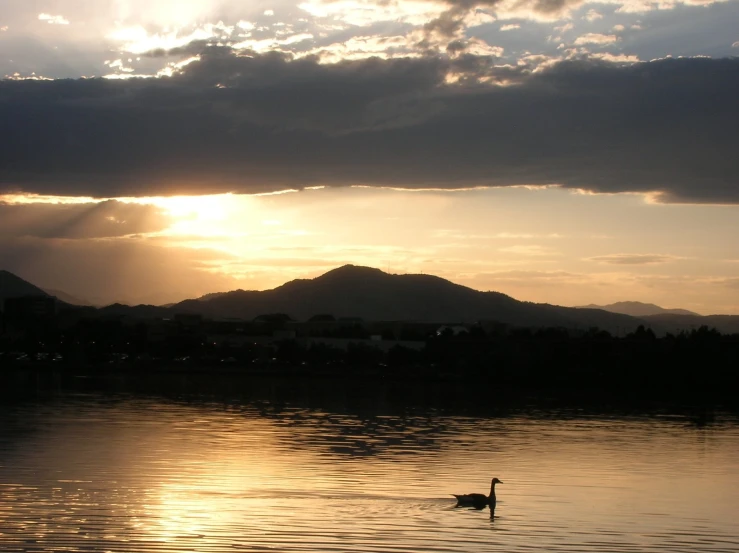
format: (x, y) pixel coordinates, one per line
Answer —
(545, 245)
(53, 19)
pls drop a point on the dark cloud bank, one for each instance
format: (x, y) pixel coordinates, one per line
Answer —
(264, 122)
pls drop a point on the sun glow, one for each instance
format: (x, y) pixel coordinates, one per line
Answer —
(18, 199)
(204, 216)
(138, 40)
(210, 208)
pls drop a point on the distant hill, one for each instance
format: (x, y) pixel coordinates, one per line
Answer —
(371, 294)
(67, 298)
(136, 311)
(638, 309)
(671, 320)
(726, 324)
(12, 286)
(212, 295)
(353, 291)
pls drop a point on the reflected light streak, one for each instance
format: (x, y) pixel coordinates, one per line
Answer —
(141, 474)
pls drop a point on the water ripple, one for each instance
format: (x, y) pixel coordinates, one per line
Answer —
(93, 474)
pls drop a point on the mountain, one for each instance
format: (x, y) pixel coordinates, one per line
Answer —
(12, 286)
(671, 320)
(638, 309)
(371, 294)
(726, 324)
(67, 298)
(208, 297)
(135, 311)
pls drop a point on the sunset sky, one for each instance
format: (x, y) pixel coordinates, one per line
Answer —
(558, 151)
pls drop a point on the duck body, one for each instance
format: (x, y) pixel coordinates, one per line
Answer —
(478, 500)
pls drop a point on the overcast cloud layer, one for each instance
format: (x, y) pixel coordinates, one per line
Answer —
(412, 94)
(265, 122)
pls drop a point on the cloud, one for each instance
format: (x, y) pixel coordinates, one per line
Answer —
(460, 235)
(546, 9)
(595, 38)
(534, 277)
(266, 122)
(529, 250)
(510, 27)
(615, 58)
(53, 19)
(261, 263)
(452, 22)
(522, 284)
(735, 45)
(565, 28)
(634, 259)
(80, 221)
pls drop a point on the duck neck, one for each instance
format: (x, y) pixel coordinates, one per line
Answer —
(492, 491)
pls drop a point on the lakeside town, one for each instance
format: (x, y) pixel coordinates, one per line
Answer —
(40, 334)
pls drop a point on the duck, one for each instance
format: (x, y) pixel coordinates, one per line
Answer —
(478, 500)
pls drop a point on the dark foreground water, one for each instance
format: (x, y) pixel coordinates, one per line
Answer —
(116, 473)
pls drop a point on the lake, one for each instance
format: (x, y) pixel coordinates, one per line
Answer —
(118, 472)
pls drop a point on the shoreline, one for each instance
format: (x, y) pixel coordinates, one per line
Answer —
(469, 393)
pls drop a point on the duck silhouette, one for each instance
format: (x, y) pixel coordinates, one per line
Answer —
(478, 500)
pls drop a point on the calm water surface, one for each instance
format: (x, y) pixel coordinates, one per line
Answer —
(99, 473)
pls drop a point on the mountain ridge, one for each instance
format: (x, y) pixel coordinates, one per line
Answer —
(12, 286)
(372, 294)
(638, 309)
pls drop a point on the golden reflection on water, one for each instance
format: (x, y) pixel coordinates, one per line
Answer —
(152, 475)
